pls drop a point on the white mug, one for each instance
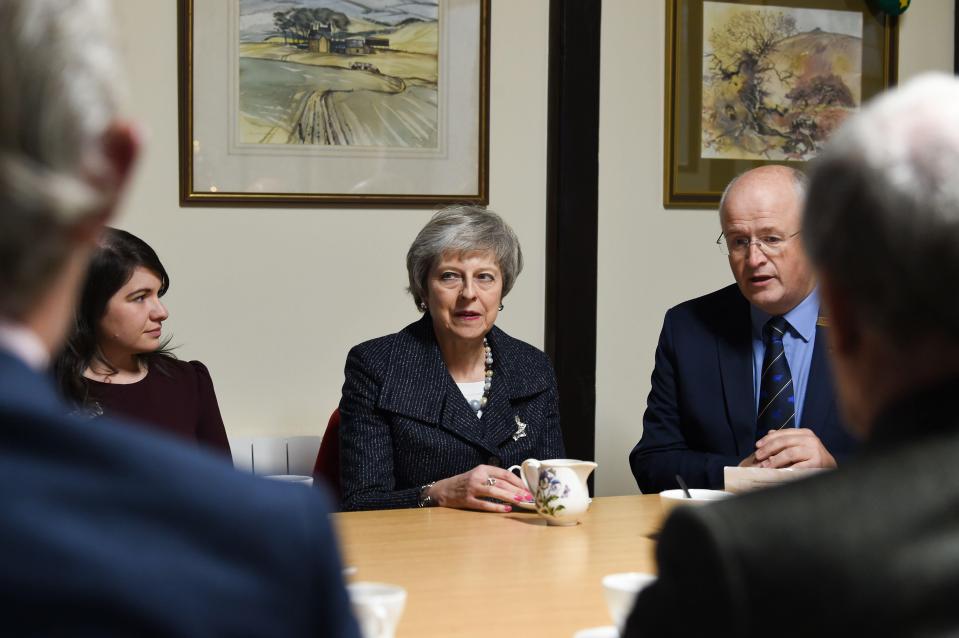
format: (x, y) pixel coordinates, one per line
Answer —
(620, 591)
(377, 607)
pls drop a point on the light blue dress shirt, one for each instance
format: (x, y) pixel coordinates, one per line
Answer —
(798, 344)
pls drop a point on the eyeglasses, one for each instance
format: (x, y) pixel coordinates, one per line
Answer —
(739, 246)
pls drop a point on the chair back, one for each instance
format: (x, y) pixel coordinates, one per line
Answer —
(327, 465)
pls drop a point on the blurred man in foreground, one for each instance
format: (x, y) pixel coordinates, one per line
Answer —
(870, 548)
(104, 529)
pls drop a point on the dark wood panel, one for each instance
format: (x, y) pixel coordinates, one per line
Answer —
(572, 198)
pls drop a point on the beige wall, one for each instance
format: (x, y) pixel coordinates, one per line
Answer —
(649, 258)
(272, 299)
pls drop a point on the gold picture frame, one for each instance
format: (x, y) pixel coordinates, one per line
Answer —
(721, 121)
(320, 103)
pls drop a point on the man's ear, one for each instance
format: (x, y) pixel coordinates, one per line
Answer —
(844, 328)
(121, 148)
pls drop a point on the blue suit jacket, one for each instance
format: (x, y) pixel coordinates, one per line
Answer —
(701, 412)
(404, 422)
(111, 530)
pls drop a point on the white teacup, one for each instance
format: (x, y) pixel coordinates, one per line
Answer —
(621, 590)
(669, 499)
(377, 607)
(291, 478)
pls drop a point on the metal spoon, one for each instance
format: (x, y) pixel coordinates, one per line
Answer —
(682, 484)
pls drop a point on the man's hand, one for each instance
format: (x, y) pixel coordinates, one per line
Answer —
(789, 448)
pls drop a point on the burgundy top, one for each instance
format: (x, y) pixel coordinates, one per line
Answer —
(178, 399)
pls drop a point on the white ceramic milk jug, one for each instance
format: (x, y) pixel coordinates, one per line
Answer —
(558, 487)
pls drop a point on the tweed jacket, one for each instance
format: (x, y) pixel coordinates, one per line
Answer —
(107, 529)
(868, 549)
(405, 423)
(701, 411)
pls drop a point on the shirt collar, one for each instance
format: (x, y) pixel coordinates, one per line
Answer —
(24, 344)
(802, 318)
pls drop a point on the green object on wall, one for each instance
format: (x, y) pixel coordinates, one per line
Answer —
(894, 7)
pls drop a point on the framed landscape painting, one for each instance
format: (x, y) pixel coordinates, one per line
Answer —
(751, 82)
(333, 102)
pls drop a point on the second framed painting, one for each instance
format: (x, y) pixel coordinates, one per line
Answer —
(751, 82)
(332, 102)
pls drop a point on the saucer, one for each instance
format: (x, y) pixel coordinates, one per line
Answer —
(608, 631)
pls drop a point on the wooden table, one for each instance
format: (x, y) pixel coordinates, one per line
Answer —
(476, 574)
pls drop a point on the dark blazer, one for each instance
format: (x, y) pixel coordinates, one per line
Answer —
(404, 423)
(112, 530)
(866, 550)
(701, 412)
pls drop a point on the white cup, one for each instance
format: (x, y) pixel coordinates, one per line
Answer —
(377, 607)
(621, 590)
(673, 498)
(669, 499)
(291, 478)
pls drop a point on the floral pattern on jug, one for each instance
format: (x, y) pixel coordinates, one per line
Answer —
(551, 489)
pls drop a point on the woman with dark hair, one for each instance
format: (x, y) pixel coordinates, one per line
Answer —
(434, 414)
(116, 361)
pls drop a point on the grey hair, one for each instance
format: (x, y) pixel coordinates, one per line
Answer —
(59, 69)
(800, 181)
(462, 229)
(882, 217)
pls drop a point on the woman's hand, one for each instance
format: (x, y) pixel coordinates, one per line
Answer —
(466, 491)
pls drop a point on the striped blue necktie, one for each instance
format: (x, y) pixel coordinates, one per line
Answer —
(777, 401)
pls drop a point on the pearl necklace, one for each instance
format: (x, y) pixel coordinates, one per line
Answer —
(477, 405)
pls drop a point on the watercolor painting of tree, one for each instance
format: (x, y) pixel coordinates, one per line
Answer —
(777, 81)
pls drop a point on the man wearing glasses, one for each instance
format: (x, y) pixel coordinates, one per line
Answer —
(870, 549)
(741, 375)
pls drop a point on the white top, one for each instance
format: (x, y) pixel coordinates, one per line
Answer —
(473, 391)
(25, 345)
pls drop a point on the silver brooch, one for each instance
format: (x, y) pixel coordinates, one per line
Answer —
(520, 429)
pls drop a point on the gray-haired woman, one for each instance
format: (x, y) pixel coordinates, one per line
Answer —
(433, 414)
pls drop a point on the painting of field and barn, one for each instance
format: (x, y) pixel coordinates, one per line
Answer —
(777, 81)
(339, 73)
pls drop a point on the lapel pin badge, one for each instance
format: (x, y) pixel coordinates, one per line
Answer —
(520, 429)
